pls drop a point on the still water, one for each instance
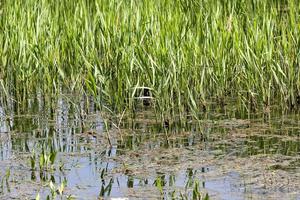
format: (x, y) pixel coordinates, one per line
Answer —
(224, 155)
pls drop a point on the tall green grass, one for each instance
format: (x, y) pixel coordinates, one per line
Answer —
(184, 51)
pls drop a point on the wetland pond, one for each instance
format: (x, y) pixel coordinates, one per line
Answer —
(57, 148)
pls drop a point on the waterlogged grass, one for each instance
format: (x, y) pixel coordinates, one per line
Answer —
(177, 53)
(69, 152)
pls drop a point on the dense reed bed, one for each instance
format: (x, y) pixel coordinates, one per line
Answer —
(179, 52)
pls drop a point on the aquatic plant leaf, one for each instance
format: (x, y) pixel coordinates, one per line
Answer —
(37, 196)
(52, 157)
(42, 161)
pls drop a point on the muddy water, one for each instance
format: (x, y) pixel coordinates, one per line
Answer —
(226, 155)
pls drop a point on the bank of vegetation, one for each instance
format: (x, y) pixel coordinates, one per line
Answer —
(178, 53)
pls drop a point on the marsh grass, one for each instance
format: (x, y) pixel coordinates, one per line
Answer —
(183, 51)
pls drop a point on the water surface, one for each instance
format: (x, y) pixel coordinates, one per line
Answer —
(230, 155)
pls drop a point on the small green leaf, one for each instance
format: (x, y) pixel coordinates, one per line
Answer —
(37, 196)
(61, 73)
(52, 157)
(42, 161)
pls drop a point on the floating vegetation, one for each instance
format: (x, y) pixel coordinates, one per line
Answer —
(68, 158)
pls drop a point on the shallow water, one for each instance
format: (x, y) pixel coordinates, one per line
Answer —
(230, 155)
